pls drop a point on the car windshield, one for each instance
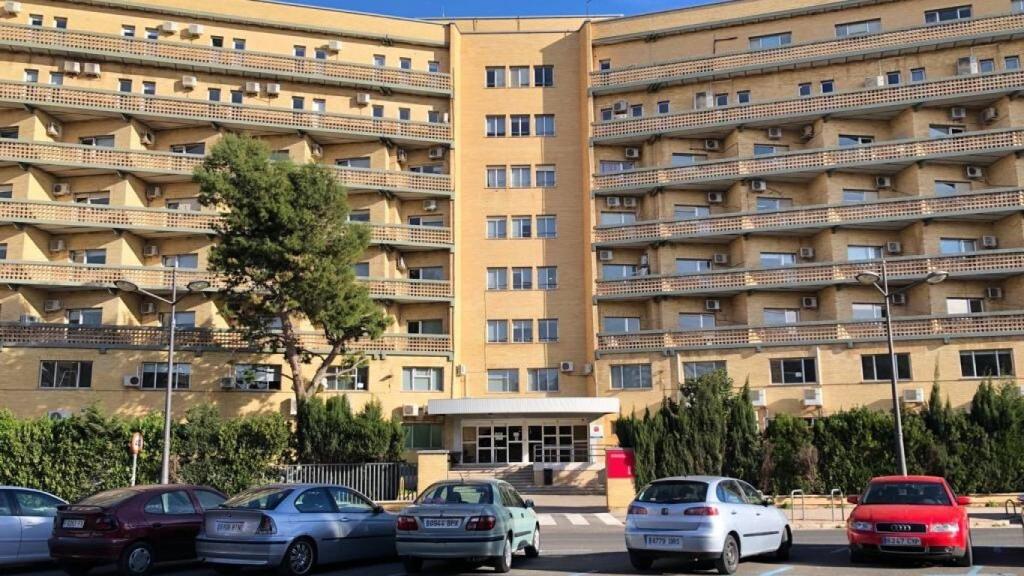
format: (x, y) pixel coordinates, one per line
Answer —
(258, 499)
(907, 493)
(457, 494)
(109, 498)
(674, 492)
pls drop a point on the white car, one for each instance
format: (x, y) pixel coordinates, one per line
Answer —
(707, 519)
(26, 520)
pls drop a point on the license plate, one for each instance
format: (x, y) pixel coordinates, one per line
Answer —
(229, 527)
(666, 542)
(900, 541)
(442, 522)
(73, 523)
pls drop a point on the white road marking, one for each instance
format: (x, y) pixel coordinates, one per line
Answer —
(608, 519)
(577, 520)
(545, 520)
(777, 571)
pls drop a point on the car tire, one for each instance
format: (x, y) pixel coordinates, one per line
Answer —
(75, 568)
(503, 563)
(136, 560)
(782, 553)
(967, 560)
(533, 548)
(641, 561)
(412, 565)
(299, 559)
(729, 561)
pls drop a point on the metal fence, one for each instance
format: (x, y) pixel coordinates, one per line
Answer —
(384, 481)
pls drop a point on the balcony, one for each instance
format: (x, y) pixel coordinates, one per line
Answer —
(940, 327)
(910, 41)
(872, 102)
(980, 148)
(893, 213)
(187, 56)
(201, 339)
(70, 103)
(158, 279)
(809, 277)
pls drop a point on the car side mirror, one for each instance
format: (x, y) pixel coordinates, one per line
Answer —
(529, 503)
(767, 500)
(963, 501)
(853, 499)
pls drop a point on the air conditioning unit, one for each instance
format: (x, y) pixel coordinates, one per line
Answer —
(401, 155)
(644, 260)
(252, 87)
(874, 81)
(989, 242)
(57, 245)
(460, 370)
(758, 185)
(957, 113)
(150, 250)
(605, 255)
(965, 66)
(613, 201)
(629, 201)
(994, 293)
(989, 115)
(807, 132)
(774, 133)
(758, 398)
(153, 191)
(883, 182)
(28, 319)
(620, 107)
(334, 45)
(169, 27)
(812, 397)
(716, 197)
(712, 145)
(807, 253)
(227, 383)
(435, 152)
(899, 299)
(52, 305)
(148, 308)
(61, 188)
(273, 89)
(974, 172)
(61, 414)
(70, 67)
(54, 129)
(894, 247)
(713, 304)
(316, 150)
(430, 205)
(913, 395)
(147, 138)
(91, 69)
(189, 82)
(721, 258)
(411, 410)
(632, 152)
(131, 381)
(566, 366)
(194, 30)
(11, 7)
(363, 98)
(445, 118)
(809, 302)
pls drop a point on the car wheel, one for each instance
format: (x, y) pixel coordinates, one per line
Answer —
(299, 559)
(533, 550)
(641, 561)
(729, 561)
(503, 563)
(967, 560)
(782, 553)
(412, 565)
(136, 560)
(75, 568)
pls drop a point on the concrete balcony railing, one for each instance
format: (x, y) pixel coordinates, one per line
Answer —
(892, 152)
(54, 274)
(99, 46)
(869, 100)
(990, 324)
(999, 201)
(395, 181)
(955, 33)
(809, 275)
(212, 339)
(203, 111)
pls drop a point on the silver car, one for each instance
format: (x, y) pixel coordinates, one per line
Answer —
(468, 520)
(26, 520)
(294, 528)
(709, 519)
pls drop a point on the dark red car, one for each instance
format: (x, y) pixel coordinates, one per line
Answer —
(917, 516)
(133, 528)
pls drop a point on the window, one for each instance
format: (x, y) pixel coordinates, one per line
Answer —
(299, 51)
(631, 376)
(361, 269)
(149, 88)
(496, 177)
(964, 305)
(433, 66)
(543, 379)
(497, 278)
(618, 324)
(547, 330)
(405, 63)
(154, 376)
(31, 76)
(722, 99)
(918, 75)
(617, 218)
(986, 65)
(34, 504)
(686, 159)
(547, 226)
(57, 78)
(3, 251)
(520, 124)
(495, 76)
(35, 19)
(694, 321)
(521, 227)
(85, 316)
(544, 124)
(404, 114)
(947, 14)
(65, 374)
(1011, 62)
(893, 78)
(743, 97)
(427, 273)
(766, 149)
(545, 176)
(237, 97)
(238, 43)
(503, 380)
(544, 75)
(692, 265)
(604, 64)
(765, 204)
(636, 110)
(430, 326)
(612, 166)
(99, 141)
(663, 107)
(828, 86)
(217, 41)
(497, 331)
(617, 271)
(6, 191)
(858, 28)
(794, 371)
(124, 85)
(176, 503)
(522, 331)
(855, 139)
(423, 436)
(940, 130)
(868, 311)
(127, 31)
(770, 41)
(181, 261)
(315, 500)
(433, 116)
(851, 196)
(377, 111)
(879, 367)
(96, 198)
(1017, 6)
(986, 363)
(700, 100)
(320, 53)
(422, 379)
(777, 259)
(519, 76)
(356, 162)
(9, 133)
(258, 376)
(497, 227)
(855, 252)
(495, 126)
(694, 370)
(803, 89)
(684, 212)
(319, 105)
(776, 316)
(298, 102)
(92, 256)
(950, 188)
(359, 216)
(154, 34)
(957, 245)
(522, 278)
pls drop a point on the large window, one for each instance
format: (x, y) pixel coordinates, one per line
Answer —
(964, 305)
(423, 436)
(547, 226)
(544, 124)
(686, 212)
(860, 252)
(347, 378)
(631, 376)
(522, 331)
(544, 75)
(692, 265)
(852, 196)
(617, 324)
(858, 28)
(520, 176)
(181, 261)
(519, 76)
(694, 370)
(91, 256)
(503, 380)
(192, 148)
(154, 375)
(497, 278)
(547, 330)
(522, 278)
(879, 366)
(495, 126)
(497, 177)
(617, 271)
(494, 77)
(855, 140)
(545, 176)
(422, 379)
(85, 316)
(520, 124)
(426, 326)
(951, 187)
(986, 363)
(543, 379)
(522, 227)
(695, 321)
(65, 374)
(775, 316)
(777, 259)
(617, 218)
(770, 41)
(258, 376)
(547, 277)
(947, 14)
(868, 311)
(497, 331)
(794, 371)
(957, 245)
(497, 227)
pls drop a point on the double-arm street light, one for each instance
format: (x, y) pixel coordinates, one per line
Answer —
(881, 281)
(193, 286)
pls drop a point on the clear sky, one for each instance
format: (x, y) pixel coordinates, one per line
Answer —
(438, 8)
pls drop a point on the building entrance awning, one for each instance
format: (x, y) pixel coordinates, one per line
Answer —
(537, 406)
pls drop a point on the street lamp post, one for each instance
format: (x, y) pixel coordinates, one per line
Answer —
(881, 282)
(194, 286)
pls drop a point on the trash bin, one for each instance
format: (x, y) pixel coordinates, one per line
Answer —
(549, 477)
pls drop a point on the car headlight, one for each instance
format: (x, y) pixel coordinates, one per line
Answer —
(946, 528)
(858, 526)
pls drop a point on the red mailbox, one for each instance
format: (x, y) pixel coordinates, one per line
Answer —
(619, 462)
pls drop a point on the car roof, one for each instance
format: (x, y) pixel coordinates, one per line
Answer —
(929, 479)
(694, 478)
(29, 490)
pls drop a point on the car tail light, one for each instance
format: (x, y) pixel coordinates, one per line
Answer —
(407, 523)
(105, 522)
(481, 523)
(701, 511)
(637, 511)
(266, 526)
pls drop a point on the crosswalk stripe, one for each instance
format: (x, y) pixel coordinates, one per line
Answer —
(608, 519)
(545, 520)
(577, 520)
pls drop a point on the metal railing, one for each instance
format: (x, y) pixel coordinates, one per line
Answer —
(547, 454)
(792, 505)
(378, 481)
(836, 496)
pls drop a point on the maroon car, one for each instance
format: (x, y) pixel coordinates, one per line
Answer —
(133, 528)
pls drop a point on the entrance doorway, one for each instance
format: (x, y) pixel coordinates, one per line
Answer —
(502, 443)
(495, 444)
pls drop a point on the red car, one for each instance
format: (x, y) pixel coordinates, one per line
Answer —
(916, 516)
(133, 528)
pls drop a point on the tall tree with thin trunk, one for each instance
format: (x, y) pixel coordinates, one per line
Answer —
(286, 253)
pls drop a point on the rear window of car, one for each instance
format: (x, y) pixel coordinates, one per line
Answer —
(109, 498)
(907, 493)
(674, 492)
(258, 499)
(457, 494)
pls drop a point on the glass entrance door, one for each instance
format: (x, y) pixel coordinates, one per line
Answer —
(492, 444)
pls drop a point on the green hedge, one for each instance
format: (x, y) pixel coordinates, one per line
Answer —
(330, 433)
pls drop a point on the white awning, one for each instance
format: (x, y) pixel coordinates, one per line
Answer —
(554, 406)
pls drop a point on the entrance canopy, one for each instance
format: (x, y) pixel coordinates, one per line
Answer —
(547, 406)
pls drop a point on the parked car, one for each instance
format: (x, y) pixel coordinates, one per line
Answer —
(133, 528)
(468, 520)
(707, 519)
(26, 519)
(295, 528)
(910, 516)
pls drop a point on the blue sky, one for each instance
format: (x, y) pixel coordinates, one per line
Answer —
(437, 8)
